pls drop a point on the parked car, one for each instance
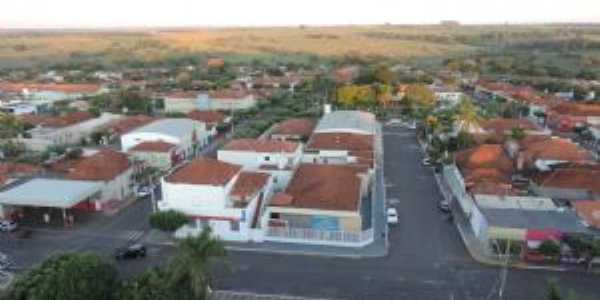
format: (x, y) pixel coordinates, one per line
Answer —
(392, 216)
(8, 225)
(444, 206)
(426, 161)
(143, 192)
(394, 122)
(131, 252)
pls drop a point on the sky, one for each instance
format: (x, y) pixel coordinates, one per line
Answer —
(165, 13)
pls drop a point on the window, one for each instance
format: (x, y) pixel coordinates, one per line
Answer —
(235, 225)
(267, 158)
(274, 215)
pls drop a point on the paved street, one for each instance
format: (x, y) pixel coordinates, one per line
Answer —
(426, 260)
(426, 257)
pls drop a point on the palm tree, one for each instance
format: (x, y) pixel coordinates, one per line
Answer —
(190, 268)
(467, 116)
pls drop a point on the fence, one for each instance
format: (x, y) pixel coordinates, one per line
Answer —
(325, 237)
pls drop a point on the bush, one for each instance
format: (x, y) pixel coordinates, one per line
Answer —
(168, 220)
(69, 276)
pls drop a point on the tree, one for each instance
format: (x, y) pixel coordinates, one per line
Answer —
(383, 93)
(169, 220)
(384, 75)
(190, 268)
(356, 95)
(150, 285)
(467, 116)
(67, 277)
(10, 126)
(553, 292)
(183, 80)
(517, 133)
(419, 95)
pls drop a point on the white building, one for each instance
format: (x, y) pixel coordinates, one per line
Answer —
(278, 158)
(217, 195)
(445, 96)
(112, 170)
(223, 100)
(189, 135)
(19, 108)
(70, 129)
(343, 137)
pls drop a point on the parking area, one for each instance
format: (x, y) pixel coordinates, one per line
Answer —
(98, 232)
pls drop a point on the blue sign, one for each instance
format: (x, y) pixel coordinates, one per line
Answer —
(325, 223)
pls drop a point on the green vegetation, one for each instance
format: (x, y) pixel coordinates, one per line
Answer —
(168, 220)
(186, 276)
(69, 277)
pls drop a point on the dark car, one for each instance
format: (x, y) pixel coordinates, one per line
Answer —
(131, 252)
(444, 206)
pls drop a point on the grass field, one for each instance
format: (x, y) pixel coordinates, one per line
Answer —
(399, 43)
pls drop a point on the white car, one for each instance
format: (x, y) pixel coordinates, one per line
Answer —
(394, 122)
(143, 192)
(392, 216)
(7, 225)
(426, 162)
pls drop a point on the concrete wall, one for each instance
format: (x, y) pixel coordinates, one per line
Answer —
(253, 160)
(562, 193)
(117, 189)
(173, 105)
(159, 160)
(133, 139)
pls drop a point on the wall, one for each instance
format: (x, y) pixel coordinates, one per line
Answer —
(130, 140)
(561, 193)
(253, 160)
(180, 105)
(117, 189)
(159, 160)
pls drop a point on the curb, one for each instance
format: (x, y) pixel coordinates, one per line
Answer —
(304, 253)
(478, 258)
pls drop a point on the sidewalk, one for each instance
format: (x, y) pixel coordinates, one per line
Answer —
(473, 244)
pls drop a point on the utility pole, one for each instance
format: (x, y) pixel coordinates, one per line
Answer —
(504, 272)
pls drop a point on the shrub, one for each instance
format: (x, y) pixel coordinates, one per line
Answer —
(168, 220)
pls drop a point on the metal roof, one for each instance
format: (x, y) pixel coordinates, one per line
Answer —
(45, 192)
(563, 220)
(173, 127)
(514, 202)
(351, 121)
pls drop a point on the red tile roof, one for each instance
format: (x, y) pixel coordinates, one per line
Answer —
(300, 127)
(205, 171)
(327, 187)
(589, 211)
(182, 95)
(248, 184)
(502, 126)
(261, 146)
(55, 87)
(105, 165)
(485, 156)
(553, 149)
(158, 146)
(577, 109)
(567, 178)
(57, 122)
(229, 94)
(127, 124)
(208, 117)
(18, 169)
(340, 141)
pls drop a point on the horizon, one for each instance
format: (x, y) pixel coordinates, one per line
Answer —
(94, 14)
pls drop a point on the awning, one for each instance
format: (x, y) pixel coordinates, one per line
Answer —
(543, 235)
(44, 192)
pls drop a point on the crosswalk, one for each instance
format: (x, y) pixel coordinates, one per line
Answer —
(130, 235)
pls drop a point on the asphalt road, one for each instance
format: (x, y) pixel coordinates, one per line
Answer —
(427, 259)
